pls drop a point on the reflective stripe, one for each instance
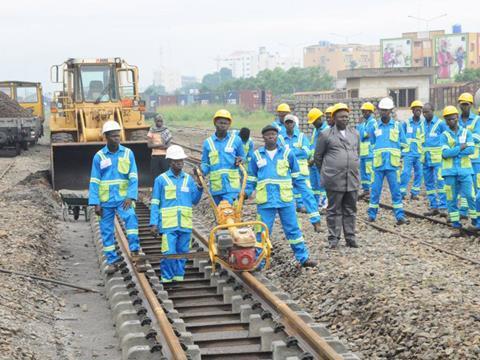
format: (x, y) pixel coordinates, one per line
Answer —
(114, 182)
(224, 171)
(314, 214)
(296, 241)
(177, 278)
(95, 180)
(133, 176)
(102, 155)
(166, 280)
(398, 206)
(373, 206)
(274, 181)
(132, 232)
(295, 174)
(185, 181)
(109, 248)
(167, 179)
(251, 178)
(155, 202)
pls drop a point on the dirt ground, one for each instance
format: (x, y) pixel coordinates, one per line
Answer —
(390, 298)
(40, 320)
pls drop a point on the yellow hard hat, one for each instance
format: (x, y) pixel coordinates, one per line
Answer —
(465, 97)
(329, 110)
(283, 107)
(368, 106)
(450, 110)
(339, 106)
(313, 115)
(416, 103)
(222, 113)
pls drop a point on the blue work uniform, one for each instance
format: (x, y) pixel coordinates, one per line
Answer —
(387, 140)
(432, 163)
(366, 153)
(457, 172)
(472, 123)
(113, 179)
(273, 181)
(300, 146)
(218, 161)
(415, 133)
(171, 211)
(248, 148)
(317, 188)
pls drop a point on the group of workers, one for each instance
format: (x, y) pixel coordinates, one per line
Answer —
(288, 174)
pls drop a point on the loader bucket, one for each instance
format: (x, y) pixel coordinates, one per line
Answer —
(71, 163)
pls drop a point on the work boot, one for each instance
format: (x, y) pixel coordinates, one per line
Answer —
(414, 197)
(309, 263)
(135, 253)
(431, 212)
(442, 213)
(352, 244)
(456, 233)
(111, 269)
(333, 246)
(366, 196)
(317, 227)
(370, 219)
(463, 217)
(402, 222)
(302, 210)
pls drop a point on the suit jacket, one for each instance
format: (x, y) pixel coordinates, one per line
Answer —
(337, 159)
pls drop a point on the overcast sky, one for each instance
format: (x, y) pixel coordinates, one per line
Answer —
(190, 34)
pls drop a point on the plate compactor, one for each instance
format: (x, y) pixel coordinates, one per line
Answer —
(232, 243)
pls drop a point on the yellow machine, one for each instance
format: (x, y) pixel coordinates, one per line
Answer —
(232, 243)
(94, 91)
(29, 95)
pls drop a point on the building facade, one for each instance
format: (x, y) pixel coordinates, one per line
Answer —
(336, 57)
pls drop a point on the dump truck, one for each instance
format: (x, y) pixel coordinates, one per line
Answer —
(30, 97)
(94, 91)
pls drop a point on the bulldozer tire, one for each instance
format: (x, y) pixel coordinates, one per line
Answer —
(138, 135)
(18, 148)
(62, 138)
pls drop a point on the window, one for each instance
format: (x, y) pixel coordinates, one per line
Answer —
(427, 61)
(402, 97)
(98, 83)
(6, 91)
(27, 94)
(126, 84)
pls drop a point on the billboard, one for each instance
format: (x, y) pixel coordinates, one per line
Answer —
(396, 52)
(450, 52)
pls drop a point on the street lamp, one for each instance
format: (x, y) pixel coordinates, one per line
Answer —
(427, 21)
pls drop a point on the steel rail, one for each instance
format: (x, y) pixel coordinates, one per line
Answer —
(298, 327)
(171, 340)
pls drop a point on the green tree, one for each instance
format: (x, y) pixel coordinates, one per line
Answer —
(468, 75)
(214, 80)
(154, 91)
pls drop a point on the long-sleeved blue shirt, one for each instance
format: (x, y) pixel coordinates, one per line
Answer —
(174, 196)
(432, 148)
(415, 134)
(299, 144)
(272, 178)
(473, 125)
(218, 161)
(113, 177)
(314, 138)
(387, 140)
(455, 160)
(366, 148)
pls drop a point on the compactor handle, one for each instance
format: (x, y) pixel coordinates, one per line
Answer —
(241, 198)
(198, 172)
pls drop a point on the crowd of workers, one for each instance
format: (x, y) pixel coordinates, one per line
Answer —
(292, 173)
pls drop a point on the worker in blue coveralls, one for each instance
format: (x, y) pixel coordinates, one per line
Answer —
(222, 153)
(315, 118)
(297, 142)
(366, 148)
(432, 162)
(174, 193)
(113, 189)
(272, 174)
(414, 129)
(387, 138)
(470, 121)
(457, 146)
(248, 146)
(282, 111)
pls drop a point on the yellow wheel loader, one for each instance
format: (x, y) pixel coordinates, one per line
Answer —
(94, 91)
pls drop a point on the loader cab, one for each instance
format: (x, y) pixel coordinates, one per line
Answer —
(27, 94)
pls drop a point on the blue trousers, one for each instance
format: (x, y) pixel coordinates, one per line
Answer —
(307, 199)
(455, 186)
(366, 170)
(435, 186)
(107, 231)
(317, 188)
(464, 210)
(376, 192)
(175, 242)
(231, 197)
(289, 220)
(409, 163)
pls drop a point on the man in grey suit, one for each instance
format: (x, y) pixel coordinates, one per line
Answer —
(337, 159)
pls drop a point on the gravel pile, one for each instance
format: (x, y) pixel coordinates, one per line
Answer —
(28, 243)
(390, 298)
(11, 108)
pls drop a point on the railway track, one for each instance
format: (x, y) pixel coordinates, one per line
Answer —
(7, 169)
(195, 161)
(214, 315)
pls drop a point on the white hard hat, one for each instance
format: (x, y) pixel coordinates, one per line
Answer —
(110, 125)
(291, 117)
(175, 152)
(386, 104)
